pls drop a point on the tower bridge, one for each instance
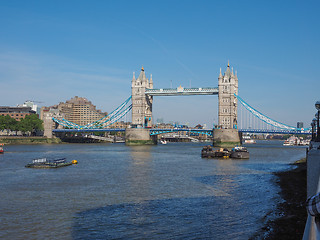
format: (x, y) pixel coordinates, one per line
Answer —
(225, 133)
(142, 99)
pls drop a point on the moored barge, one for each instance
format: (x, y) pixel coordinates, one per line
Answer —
(239, 152)
(236, 152)
(46, 163)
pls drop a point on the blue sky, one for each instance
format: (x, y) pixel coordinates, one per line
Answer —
(51, 51)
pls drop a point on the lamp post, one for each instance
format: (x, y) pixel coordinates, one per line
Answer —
(313, 124)
(317, 105)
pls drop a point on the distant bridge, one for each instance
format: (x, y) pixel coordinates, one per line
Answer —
(251, 121)
(232, 115)
(158, 131)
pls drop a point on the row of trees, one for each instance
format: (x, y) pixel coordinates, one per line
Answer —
(30, 124)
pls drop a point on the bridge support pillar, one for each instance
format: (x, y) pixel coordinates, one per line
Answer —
(226, 138)
(139, 136)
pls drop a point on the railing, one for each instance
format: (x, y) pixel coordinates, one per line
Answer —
(312, 228)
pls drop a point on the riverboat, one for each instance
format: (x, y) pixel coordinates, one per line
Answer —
(1, 148)
(46, 163)
(236, 153)
(239, 153)
(250, 141)
(209, 152)
(295, 141)
(163, 141)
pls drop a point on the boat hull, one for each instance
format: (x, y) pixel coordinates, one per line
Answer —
(34, 165)
(239, 155)
(236, 153)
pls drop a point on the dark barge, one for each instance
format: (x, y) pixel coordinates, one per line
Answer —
(45, 163)
(236, 152)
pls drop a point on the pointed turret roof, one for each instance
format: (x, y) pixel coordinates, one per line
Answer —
(228, 72)
(142, 75)
(220, 74)
(151, 81)
(133, 77)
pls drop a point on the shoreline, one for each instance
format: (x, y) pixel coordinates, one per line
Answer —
(15, 140)
(290, 215)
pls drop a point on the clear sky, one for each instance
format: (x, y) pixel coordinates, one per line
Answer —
(51, 51)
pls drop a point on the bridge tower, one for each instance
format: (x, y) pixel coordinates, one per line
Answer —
(227, 132)
(139, 133)
(228, 86)
(141, 103)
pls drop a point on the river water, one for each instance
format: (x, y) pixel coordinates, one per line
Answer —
(142, 192)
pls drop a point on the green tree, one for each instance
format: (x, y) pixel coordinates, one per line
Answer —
(8, 123)
(31, 123)
(2, 123)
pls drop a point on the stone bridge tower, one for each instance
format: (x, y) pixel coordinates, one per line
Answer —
(226, 135)
(228, 86)
(139, 132)
(141, 103)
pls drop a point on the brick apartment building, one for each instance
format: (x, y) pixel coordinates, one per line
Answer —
(16, 112)
(80, 110)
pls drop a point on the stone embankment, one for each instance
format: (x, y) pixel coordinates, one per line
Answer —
(28, 140)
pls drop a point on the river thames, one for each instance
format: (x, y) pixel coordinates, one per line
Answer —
(142, 192)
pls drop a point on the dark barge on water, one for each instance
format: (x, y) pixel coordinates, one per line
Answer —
(236, 152)
(46, 163)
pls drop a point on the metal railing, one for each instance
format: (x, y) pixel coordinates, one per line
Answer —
(312, 228)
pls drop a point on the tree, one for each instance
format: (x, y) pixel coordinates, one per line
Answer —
(2, 123)
(8, 123)
(31, 123)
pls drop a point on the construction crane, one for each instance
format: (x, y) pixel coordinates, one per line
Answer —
(33, 101)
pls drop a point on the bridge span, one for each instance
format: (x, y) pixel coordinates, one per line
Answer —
(231, 119)
(181, 91)
(158, 131)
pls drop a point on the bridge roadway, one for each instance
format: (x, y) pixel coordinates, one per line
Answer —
(153, 131)
(157, 131)
(182, 91)
(280, 131)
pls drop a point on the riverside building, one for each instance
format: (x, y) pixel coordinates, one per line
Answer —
(16, 112)
(80, 110)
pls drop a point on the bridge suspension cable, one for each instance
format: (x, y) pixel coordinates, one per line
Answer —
(248, 120)
(111, 118)
(114, 118)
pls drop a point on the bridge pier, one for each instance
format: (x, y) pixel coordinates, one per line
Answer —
(139, 136)
(226, 138)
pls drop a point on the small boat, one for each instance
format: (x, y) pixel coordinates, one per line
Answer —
(163, 141)
(46, 163)
(239, 152)
(287, 143)
(1, 148)
(250, 141)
